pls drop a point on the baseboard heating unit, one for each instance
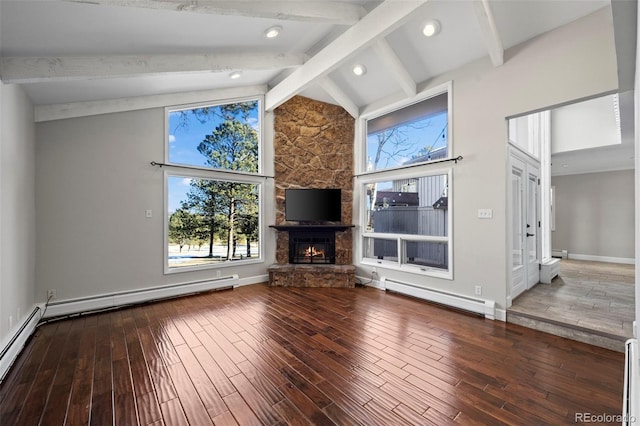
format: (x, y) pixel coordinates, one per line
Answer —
(631, 401)
(113, 300)
(11, 346)
(561, 254)
(478, 306)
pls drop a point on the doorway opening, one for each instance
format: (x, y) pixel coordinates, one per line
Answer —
(584, 158)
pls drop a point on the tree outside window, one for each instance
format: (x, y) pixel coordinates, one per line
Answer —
(213, 208)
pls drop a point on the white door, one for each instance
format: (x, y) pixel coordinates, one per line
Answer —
(532, 231)
(525, 226)
(518, 275)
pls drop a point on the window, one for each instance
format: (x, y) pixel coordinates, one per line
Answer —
(213, 185)
(410, 135)
(406, 199)
(526, 133)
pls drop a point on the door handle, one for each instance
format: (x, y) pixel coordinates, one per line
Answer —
(530, 235)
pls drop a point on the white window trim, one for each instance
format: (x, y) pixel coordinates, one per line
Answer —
(422, 96)
(217, 176)
(174, 108)
(183, 170)
(417, 172)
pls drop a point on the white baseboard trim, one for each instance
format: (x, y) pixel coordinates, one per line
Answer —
(13, 344)
(501, 315)
(113, 300)
(258, 279)
(624, 260)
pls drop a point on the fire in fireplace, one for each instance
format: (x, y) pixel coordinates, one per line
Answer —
(313, 251)
(312, 247)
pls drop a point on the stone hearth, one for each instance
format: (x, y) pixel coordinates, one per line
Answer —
(312, 275)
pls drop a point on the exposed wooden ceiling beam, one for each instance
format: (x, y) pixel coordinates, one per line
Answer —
(89, 108)
(331, 12)
(339, 96)
(19, 70)
(489, 31)
(375, 25)
(397, 68)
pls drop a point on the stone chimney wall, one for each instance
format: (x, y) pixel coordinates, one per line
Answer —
(313, 146)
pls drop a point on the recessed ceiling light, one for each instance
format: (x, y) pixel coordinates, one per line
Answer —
(273, 32)
(431, 28)
(565, 165)
(235, 75)
(359, 70)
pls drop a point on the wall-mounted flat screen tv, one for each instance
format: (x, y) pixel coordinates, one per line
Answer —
(313, 205)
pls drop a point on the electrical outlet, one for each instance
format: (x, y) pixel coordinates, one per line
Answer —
(10, 321)
(218, 274)
(51, 294)
(374, 270)
(485, 213)
(478, 290)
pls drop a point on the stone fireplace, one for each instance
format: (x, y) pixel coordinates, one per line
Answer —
(313, 146)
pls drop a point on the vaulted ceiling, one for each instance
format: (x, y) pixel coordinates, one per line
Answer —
(82, 51)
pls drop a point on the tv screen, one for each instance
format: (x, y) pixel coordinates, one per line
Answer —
(313, 205)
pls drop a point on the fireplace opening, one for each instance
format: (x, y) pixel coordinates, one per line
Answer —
(317, 247)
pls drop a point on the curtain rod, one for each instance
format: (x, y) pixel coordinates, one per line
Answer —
(233, 172)
(155, 163)
(445, 160)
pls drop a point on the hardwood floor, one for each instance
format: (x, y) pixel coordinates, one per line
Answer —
(274, 356)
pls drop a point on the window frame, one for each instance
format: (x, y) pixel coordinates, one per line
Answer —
(199, 172)
(427, 94)
(186, 107)
(401, 239)
(416, 170)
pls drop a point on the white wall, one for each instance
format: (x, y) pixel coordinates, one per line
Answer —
(588, 124)
(570, 63)
(17, 209)
(93, 186)
(595, 215)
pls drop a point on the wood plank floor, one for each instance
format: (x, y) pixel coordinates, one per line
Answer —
(274, 356)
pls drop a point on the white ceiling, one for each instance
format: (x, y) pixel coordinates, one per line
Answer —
(76, 52)
(612, 154)
(104, 28)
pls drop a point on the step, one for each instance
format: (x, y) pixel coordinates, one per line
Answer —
(569, 331)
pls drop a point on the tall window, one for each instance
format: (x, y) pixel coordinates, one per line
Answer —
(213, 185)
(406, 198)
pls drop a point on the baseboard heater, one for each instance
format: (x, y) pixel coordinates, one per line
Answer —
(562, 254)
(14, 344)
(631, 401)
(478, 306)
(113, 300)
